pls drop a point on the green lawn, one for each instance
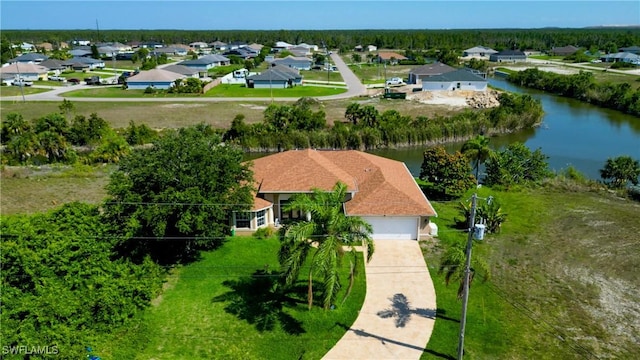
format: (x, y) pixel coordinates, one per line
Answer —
(215, 309)
(374, 73)
(561, 270)
(15, 90)
(226, 90)
(320, 75)
(222, 90)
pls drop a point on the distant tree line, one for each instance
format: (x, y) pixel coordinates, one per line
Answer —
(499, 39)
(582, 86)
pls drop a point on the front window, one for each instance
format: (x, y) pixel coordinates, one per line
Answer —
(243, 219)
(260, 217)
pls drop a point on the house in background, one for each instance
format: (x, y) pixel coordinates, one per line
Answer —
(380, 190)
(54, 65)
(621, 56)
(416, 75)
(480, 52)
(45, 46)
(199, 45)
(508, 56)
(88, 63)
(243, 52)
(218, 45)
(563, 50)
(26, 71)
(204, 63)
(298, 63)
(389, 57)
(300, 51)
(276, 77)
(183, 70)
(79, 52)
(156, 78)
(631, 49)
(34, 58)
(462, 79)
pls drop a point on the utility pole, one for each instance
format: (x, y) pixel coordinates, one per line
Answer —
(467, 273)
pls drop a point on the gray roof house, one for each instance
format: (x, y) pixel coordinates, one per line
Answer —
(206, 62)
(478, 51)
(462, 79)
(564, 50)
(299, 63)
(53, 64)
(79, 52)
(89, 62)
(622, 56)
(156, 78)
(29, 58)
(508, 56)
(279, 76)
(418, 74)
(182, 70)
(631, 49)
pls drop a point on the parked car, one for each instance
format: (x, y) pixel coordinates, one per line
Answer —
(73, 81)
(56, 78)
(395, 81)
(22, 82)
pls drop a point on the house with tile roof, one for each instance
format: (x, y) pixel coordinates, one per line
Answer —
(380, 190)
(416, 75)
(462, 79)
(156, 78)
(389, 57)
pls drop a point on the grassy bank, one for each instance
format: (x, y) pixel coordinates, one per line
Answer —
(214, 308)
(563, 284)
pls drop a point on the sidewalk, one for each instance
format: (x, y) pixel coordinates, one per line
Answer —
(398, 314)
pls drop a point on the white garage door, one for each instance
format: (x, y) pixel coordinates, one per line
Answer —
(393, 228)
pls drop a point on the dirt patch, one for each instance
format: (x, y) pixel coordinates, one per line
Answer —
(253, 107)
(181, 106)
(172, 280)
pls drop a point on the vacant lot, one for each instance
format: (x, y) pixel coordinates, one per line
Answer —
(218, 114)
(564, 279)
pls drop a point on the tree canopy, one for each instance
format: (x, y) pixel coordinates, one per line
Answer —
(175, 197)
(619, 171)
(446, 175)
(517, 164)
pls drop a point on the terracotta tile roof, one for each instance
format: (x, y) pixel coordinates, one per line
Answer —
(382, 186)
(388, 55)
(259, 204)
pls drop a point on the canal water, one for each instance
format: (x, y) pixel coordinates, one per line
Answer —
(573, 133)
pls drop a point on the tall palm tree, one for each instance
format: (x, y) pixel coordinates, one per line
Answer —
(477, 150)
(329, 231)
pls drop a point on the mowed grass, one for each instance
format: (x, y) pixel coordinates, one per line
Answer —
(215, 309)
(31, 190)
(564, 279)
(222, 90)
(15, 90)
(378, 73)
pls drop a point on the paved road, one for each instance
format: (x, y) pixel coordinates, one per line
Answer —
(399, 310)
(354, 88)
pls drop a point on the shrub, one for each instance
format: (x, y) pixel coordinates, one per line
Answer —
(264, 232)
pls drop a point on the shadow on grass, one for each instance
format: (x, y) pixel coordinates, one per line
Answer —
(401, 310)
(440, 314)
(260, 300)
(439, 355)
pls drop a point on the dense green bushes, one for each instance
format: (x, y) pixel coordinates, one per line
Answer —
(582, 86)
(53, 139)
(298, 126)
(62, 283)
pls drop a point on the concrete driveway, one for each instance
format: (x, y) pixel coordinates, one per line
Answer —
(399, 310)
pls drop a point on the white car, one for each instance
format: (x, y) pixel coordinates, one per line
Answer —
(395, 81)
(57, 78)
(596, 61)
(22, 82)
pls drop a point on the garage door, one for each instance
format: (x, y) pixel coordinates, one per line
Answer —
(392, 227)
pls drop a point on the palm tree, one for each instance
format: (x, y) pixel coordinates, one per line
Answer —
(453, 264)
(477, 150)
(328, 230)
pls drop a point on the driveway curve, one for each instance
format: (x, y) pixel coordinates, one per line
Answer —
(399, 310)
(354, 89)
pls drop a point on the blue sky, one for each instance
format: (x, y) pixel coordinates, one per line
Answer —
(314, 15)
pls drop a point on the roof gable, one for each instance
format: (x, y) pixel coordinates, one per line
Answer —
(432, 69)
(158, 75)
(458, 75)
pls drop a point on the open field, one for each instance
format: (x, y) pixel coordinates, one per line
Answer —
(38, 189)
(564, 279)
(15, 90)
(374, 73)
(320, 75)
(219, 115)
(215, 309)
